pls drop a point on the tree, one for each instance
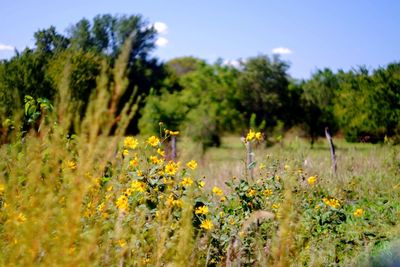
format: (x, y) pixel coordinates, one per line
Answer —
(183, 65)
(317, 102)
(83, 70)
(81, 36)
(108, 33)
(368, 104)
(263, 89)
(203, 109)
(48, 42)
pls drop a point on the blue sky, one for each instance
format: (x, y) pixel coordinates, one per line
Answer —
(311, 34)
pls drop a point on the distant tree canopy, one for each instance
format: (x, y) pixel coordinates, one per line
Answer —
(203, 100)
(88, 44)
(316, 101)
(263, 89)
(367, 105)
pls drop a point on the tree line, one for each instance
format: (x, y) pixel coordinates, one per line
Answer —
(202, 100)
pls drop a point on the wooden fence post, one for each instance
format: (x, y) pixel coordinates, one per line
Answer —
(173, 147)
(250, 160)
(332, 148)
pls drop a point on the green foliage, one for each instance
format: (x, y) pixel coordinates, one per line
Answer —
(106, 35)
(203, 100)
(167, 108)
(367, 105)
(24, 75)
(48, 42)
(34, 108)
(317, 103)
(183, 65)
(203, 107)
(83, 67)
(263, 89)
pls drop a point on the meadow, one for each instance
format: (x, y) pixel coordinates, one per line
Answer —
(93, 200)
(76, 190)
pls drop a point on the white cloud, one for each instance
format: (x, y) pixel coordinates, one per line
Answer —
(282, 51)
(161, 41)
(4, 47)
(232, 62)
(161, 27)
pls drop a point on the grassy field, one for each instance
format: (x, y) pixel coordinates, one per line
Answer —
(104, 201)
(98, 198)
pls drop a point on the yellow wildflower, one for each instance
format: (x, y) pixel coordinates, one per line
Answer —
(130, 142)
(187, 181)
(267, 192)
(170, 200)
(222, 199)
(122, 243)
(88, 213)
(125, 152)
(20, 218)
(161, 152)
(71, 164)
(202, 184)
(275, 206)
(258, 136)
(167, 180)
(138, 186)
(218, 191)
(251, 192)
(122, 203)
(262, 166)
(173, 133)
(100, 207)
(192, 164)
(279, 214)
(250, 136)
(139, 173)
(128, 192)
(171, 168)
(312, 180)
(153, 141)
(71, 250)
(207, 224)
(201, 210)
(134, 162)
(155, 160)
(177, 203)
(2, 188)
(333, 203)
(358, 212)
(173, 202)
